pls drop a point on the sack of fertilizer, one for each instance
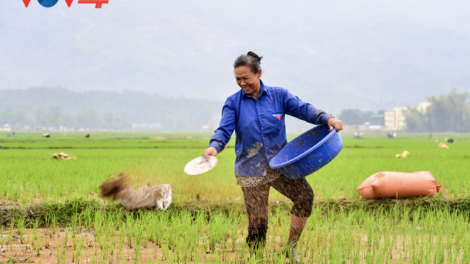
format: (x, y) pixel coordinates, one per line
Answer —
(399, 185)
(158, 196)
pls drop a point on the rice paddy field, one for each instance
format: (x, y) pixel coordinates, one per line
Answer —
(51, 212)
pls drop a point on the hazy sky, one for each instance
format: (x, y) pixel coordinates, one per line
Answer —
(335, 54)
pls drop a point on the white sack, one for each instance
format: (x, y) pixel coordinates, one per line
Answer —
(158, 196)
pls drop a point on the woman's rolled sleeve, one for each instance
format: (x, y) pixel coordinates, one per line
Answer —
(217, 145)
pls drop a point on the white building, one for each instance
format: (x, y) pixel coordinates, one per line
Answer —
(395, 120)
(423, 107)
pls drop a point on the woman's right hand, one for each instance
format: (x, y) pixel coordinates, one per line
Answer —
(210, 151)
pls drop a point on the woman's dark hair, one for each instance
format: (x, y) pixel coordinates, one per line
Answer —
(250, 59)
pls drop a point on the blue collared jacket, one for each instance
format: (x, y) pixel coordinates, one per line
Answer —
(260, 126)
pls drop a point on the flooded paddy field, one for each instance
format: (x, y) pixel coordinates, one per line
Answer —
(51, 212)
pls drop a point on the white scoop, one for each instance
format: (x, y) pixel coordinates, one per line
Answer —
(200, 165)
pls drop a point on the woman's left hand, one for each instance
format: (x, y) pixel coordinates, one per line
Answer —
(335, 123)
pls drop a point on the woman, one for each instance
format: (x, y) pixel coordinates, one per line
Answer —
(257, 113)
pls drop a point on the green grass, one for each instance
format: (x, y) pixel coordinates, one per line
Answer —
(365, 232)
(28, 172)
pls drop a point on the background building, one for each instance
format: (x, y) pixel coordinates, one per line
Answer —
(395, 120)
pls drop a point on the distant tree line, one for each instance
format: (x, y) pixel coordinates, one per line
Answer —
(55, 107)
(56, 117)
(446, 113)
(358, 117)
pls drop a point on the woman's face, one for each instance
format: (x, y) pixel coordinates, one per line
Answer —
(247, 80)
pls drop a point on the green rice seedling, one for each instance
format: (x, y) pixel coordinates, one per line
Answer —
(414, 242)
(36, 238)
(233, 237)
(171, 235)
(450, 249)
(105, 241)
(439, 253)
(86, 254)
(73, 246)
(54, 223)
(81, 245)
(224, 233)
(20, 224)
(59, 259)
(47, 219)
(46, 243)
(190, 239)
(138, 235)
(2, 238)
(152, 231)
(114, 217)
(158, 233)
(179, 253)
(97, 223)
(74, 223)
(216, 231)
(12, 232)
(388, 245)
(112, 241)
(462, 236)
(64, 255)
(87, 218)
(121, 237)
(465, 248)
(66, 238)
(427, 250)
(104, 246)
(129, 230)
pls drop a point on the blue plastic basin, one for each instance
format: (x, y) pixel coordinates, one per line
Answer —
(308, 152)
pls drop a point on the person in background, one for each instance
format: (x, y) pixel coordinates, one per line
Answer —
(257, 115)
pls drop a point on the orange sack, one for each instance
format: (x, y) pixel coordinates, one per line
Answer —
(399, 185)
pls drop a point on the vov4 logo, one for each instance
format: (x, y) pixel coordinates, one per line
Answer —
(51, 3)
